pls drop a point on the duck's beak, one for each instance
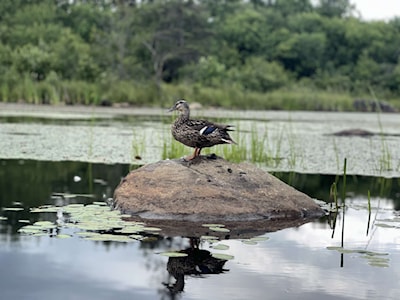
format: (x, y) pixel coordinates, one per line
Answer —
(172, 108)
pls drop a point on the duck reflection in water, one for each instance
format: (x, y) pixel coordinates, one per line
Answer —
(198, 262)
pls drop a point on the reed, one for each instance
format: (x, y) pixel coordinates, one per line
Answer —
(173, 149)
(385, 160)
(344, 181)
(138, 147)
(369, 202)
(369, 211)
(343, 199)
(54, 90)
(333, 198)
(258, 151)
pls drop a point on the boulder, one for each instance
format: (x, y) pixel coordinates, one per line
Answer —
(210, 189)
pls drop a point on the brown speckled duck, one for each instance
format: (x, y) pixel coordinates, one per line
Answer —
(197, 134)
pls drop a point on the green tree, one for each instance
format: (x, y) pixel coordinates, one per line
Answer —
(335, 8)
(292, 7)
(303, 53)
(33, 60)
(245, 31)
(72, 58)
(260, 75)
(173, 33)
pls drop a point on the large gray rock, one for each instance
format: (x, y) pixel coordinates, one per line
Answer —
(210, 189)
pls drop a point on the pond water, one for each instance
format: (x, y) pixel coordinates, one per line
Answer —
(61, 160)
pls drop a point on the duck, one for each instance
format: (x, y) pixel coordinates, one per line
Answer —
(197, 134)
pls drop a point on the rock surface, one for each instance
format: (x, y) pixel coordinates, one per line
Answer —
(210, 189)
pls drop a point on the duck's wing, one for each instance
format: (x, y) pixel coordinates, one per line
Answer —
(204, 127)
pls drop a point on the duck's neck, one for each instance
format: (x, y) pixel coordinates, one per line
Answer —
(184, 115)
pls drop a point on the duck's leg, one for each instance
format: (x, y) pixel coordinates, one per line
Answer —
(194, 155)
(197, 151)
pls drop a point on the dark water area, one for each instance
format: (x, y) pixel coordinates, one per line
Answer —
(318, 186)
(303, 262)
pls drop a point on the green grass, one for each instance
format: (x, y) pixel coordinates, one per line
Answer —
(138, 147)
(385, 160)
(256, 146)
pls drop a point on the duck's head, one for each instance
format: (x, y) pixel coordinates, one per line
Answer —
(181, 106)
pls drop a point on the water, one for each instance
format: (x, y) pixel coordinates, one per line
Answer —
(60, 161)
(294, 262)
(302, 142)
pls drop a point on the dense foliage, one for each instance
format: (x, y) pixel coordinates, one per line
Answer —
(249, 54)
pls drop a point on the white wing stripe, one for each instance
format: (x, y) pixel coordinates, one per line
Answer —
(203, 129)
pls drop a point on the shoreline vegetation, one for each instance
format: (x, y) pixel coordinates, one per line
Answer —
(126, 93)
(237, 54)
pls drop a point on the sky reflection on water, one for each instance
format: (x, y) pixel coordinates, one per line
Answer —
(293, 263)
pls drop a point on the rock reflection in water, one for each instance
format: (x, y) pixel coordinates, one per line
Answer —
(198, 262)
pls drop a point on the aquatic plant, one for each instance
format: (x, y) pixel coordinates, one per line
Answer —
(96, 222)
(385, 160)
(138, 147)
(343, 198)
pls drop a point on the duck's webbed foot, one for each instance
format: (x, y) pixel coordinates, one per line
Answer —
(195, 154)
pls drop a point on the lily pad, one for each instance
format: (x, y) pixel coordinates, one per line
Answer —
(131, 229)
(125, 216)
(383, 225)
(63, 236)
(220, 247)
(43, 223)
(47, 209)
(222, 256)
(249, 242)
(213, 225)
(173, 254)
(379, 264)
(259, 239)
(219, 229)
(208, 237)
(30, 229)
(359, 251)
(13, 208)
(100, 203)
(40, 234)
(24, 221)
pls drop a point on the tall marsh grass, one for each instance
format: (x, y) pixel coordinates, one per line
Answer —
(257, 146)
(54, 90)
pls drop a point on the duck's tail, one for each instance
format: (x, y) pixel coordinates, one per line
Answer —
(229, 141)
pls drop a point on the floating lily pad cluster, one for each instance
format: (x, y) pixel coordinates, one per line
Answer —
(96, 222)
(213, 240)
(375, 259)
(39, 228)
